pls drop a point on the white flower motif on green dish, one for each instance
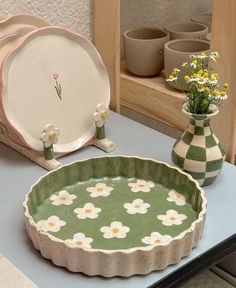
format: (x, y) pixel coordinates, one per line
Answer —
(88, 211)
(156, 238)
(176, 197)
(172, 217)
(63, 198)
(100, 189)
(137, 207)
(49, 135)
(115, 230)
(80, 241)
(141, 186)
(52, 224)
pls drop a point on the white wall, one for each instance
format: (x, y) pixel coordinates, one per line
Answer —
(73, 14)
(136, 13)
(78, 14)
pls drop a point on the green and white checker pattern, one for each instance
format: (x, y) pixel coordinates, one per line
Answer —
(199, 153)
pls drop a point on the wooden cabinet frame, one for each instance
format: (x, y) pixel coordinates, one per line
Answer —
(151, 96)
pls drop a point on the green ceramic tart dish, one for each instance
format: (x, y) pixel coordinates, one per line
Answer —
(115, 216)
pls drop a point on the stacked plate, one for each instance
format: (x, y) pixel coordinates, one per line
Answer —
(49, 75)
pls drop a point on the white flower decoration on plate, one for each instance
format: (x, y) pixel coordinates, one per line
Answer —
(88, 211)
(52, 224)
(176, 197)
(49, 135)
(80, 241)
(141, 186)
(63, 198)
(137, 207)
(116, 229)
(172, 217)
(156, 238)
(100, 115)
(100, 189)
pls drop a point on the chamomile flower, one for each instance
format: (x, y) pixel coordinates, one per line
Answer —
(171, 78)
(176, 70)
(203, 89)
(226, 85)
(186, 78)
(202, 80)
(213, 80)
(194, 64)
(184, 64)
(199, 56)
(200, 72)
(223, 95)
(214, 56)
(192, 79)
(215, 95)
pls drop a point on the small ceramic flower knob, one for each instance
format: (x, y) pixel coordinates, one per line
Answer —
(49, 137)
(100, 117)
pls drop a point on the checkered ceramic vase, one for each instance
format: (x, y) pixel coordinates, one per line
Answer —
(198, 151)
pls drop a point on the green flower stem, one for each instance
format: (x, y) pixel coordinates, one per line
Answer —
(48, 152)
(100, 132)
(58, 89)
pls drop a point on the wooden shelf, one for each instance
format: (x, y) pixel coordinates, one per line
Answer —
(152, 97)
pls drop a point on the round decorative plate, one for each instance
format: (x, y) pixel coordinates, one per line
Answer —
(115, 215)
(9, 41)
(19, 22)
(53, 76)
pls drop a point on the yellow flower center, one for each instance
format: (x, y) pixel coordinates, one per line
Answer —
(202, 79)
(226, 85)
(99, 190)
(172, 218)
(104, 114)
(186, 78)
(203, 54)
(137, 206)
(216, 75)
(175, 69)
(206, 89)
(194, 75)
(194, 62)
(215, 92)
(171, 77)
(157, 241)
(51, 224)
(205, 75)
(79, 243)
(52, 135)
(213, 78)
(141, 185)
(222, 93)
(115, 230)
(200, 72)
(88, 211)
(63, 198)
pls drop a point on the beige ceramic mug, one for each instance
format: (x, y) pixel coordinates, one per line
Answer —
(178, 51)
(144, 49)
(205, 18)
(179, 30)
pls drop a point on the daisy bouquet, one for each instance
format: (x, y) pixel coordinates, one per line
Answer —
(201, 83)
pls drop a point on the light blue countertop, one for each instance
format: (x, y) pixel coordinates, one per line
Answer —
(18, 173)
